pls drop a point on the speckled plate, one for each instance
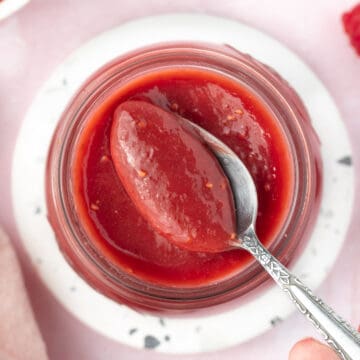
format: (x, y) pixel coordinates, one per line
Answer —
(192, 333)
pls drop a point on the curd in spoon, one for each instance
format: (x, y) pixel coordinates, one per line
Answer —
(172, 177)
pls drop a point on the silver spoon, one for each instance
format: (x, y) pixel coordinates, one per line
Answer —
(337, 333)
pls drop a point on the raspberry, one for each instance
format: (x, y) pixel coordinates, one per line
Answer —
(351, 22)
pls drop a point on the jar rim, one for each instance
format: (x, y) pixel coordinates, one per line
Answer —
(274, 91)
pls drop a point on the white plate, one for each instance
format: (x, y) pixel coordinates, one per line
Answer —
(192, 333)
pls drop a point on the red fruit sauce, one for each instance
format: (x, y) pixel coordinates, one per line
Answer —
(225, 108)
(172, 177)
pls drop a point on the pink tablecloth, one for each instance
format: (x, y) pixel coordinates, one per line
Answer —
(36, 39)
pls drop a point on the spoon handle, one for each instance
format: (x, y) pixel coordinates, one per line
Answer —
(337, 333)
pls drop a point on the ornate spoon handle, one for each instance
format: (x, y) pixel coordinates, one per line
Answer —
(337, 333)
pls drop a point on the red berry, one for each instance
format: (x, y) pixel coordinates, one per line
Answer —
(351, 22)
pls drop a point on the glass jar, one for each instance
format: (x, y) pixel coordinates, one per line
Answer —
(276, 93)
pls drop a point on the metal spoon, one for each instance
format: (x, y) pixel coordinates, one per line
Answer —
(337, 333)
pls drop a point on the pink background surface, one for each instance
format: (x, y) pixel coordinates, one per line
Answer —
(36, 39)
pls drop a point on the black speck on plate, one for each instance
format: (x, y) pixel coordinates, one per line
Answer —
(151, 342)
(346, 160)
(275, 321)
